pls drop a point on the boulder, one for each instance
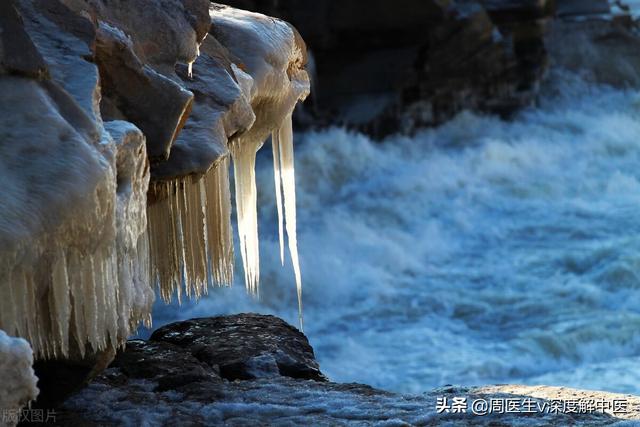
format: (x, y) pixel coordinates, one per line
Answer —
(245, 346)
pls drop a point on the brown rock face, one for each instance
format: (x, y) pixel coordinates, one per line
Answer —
(219, 111)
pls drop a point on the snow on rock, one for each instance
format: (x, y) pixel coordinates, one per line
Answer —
(19, 384)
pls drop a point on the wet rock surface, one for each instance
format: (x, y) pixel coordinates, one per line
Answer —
(228, 371)
(245, 346)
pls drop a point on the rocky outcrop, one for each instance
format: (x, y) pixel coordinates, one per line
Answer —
(383, 69)
(257, 370)
(244, 346)
(598, 42)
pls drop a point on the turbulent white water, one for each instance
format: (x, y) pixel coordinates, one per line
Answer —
(479, 252)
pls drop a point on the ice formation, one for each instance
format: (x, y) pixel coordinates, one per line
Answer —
(276, 64)
(190, 233)
(83, 234)
(285, 183)
(53, 257)
(19, 384)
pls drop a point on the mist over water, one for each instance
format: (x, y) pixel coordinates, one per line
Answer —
(482, 251)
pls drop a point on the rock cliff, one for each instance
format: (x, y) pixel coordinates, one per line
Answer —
(388, 67)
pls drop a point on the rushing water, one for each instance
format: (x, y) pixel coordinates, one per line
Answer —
(482, 251)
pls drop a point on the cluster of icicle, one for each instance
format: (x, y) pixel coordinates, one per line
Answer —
(190, 222)
(84, 283)
(75, 291)
(244, 156)
(190, 233)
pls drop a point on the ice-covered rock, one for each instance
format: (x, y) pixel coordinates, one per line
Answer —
(128, 85)
(277, 66)
(97, 98)
(19, 384)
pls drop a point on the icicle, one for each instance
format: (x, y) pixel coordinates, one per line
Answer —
(275, 145)
(61, 312)
(8, 303)
(244, 161)
(190, 64)
(217, 210)
(286, 172)
(75, 281)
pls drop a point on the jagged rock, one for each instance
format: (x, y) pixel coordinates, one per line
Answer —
(162, 33)
(138, 47)
(220, 111)
(245, 346)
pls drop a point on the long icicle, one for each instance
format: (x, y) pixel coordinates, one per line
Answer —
(244, 160)
(287, 172)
